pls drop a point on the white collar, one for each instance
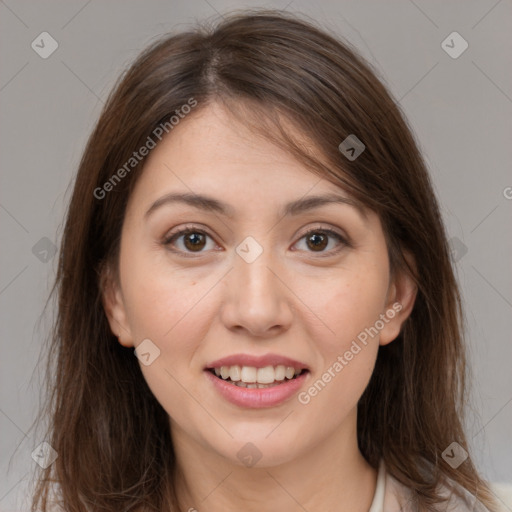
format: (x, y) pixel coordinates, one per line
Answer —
(380, 489)
(390, 493)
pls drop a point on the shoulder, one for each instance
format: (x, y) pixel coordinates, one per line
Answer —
(399, 498)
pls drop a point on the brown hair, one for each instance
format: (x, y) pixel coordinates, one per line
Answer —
(112, 436)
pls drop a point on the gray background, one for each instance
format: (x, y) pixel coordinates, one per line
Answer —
(459, 109)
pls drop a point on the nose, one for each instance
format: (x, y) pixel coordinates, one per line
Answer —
(258, 301)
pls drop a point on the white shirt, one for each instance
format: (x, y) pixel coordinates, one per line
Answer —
(392, 496)
(378, 497)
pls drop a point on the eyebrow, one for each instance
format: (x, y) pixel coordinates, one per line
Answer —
(210, 204)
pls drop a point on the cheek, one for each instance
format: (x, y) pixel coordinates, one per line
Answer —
(161, 301)
(174, 313)
(349, 305)
(333, 394)
(351, 309)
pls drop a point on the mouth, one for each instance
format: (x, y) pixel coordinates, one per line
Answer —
(257, 381)
(251, 377)
(257, 388)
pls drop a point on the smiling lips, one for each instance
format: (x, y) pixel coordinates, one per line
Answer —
(251, 381)
(252, 377)
(249, 371)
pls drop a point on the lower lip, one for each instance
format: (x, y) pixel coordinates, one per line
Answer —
(257, 398)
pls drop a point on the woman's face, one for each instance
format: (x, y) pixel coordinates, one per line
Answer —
(249, 284)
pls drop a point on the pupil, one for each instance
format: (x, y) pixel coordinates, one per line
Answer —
(194, 239)
(322, 243)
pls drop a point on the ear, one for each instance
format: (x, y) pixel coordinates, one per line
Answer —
(113, 304)
(400, 301)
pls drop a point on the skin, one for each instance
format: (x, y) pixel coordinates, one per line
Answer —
(290, 301)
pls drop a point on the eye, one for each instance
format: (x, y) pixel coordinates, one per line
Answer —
(191, 240)
(317, 240)
(194, 240)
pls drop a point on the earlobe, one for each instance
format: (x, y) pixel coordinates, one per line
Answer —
(400, 302)
(114, 307)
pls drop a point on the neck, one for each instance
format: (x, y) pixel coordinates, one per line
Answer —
(331, 475)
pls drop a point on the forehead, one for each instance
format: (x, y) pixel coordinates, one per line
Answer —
(214, 148)
(214, 132)
(215, 162)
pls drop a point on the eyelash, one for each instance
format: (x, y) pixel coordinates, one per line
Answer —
(168, 240)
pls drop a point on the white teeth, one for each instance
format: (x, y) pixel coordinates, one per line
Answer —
(234, 373)
(248, 374)
(290, 372)
(280, 372)
(245, 376)
(265, 375)
(224, 372)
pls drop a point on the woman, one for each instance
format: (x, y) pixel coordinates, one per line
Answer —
(252, 216)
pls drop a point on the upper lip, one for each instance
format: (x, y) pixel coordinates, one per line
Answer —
(256, 361)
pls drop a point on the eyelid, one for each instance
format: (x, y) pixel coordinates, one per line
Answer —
(184, 230)
(343, 239)
(181, 230)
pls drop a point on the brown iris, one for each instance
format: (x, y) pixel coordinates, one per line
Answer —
(194, 241)
(319, 241)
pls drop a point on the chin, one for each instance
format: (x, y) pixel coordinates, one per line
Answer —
(260, 450)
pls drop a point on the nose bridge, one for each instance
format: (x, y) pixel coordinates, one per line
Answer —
(258, 300)
(252, 271)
